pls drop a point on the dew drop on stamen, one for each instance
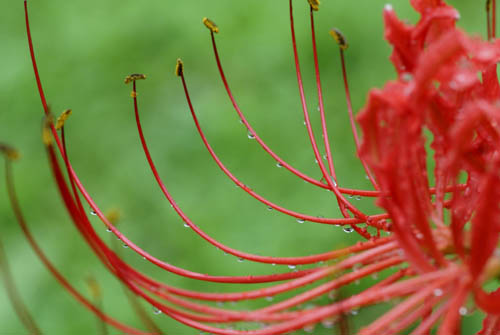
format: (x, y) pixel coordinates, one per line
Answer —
(92, 212)
(301, 220)
(292, 267)
(309, 329)
(156, 311)
(358, 197)
(125, 246)
(269, 208)
(438, 292)
(269, 298)
(348, 230)
(186, 225)
(251, 135)
(328, 323)
(354, 311)
(462, 311)
(278, 164)
(240, 259)
(108, 230)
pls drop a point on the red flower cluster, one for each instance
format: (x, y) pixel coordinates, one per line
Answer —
(443, 239)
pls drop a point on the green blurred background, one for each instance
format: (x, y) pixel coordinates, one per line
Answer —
(86, 48)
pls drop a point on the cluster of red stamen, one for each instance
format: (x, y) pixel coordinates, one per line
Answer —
(443, 238)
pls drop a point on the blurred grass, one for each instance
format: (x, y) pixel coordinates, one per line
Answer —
(85, 49)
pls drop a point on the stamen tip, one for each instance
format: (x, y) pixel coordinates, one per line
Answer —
(113, 215)
(210, 25)
(46, 133)
(388, 7)
(133, 77)
(339, 38)
(179, 68)
(10, 153)
(62, 118)
(314, 4)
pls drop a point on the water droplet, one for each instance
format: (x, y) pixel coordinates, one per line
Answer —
(438, 292)
(325, 157)
(316, 161)
(301, 220)
(328, 323)
(186, 225)
(304, 123)
(125, 246)
(251, 135)
(348, 230)
(462, 311)
(156, 311)
(278, 164)
(269, 298)
(293, 267)
(92, 212)
(350, 196)
(240, 259)
(269, 208)
(273, 264)
(241, 121)
(108, 230)
(354, 311)
(358, 197)
(366, 177)
(309, 328)
(407, 76)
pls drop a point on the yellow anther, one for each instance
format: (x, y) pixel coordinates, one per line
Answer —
(9, 152)
(46, 131)
(179, 67)
(339, 38)
(95, 289)
(113, 215)
(133, 94)
(314, 4)
(210, 25)
(134, 77)
(62, 118)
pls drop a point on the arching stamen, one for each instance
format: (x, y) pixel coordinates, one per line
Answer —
(250, 191)
(317, 155)
(343, 45)
(13, 295)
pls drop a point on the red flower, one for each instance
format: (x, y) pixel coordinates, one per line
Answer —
(445, 237)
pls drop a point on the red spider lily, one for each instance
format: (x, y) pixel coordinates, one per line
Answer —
(444, 237)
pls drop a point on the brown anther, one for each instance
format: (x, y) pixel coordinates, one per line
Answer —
(134, 77)
(488, 5)
(62, 118)
(179, 68)
(95, 289)
(113, 215)
(133, 94)
(339, 38)
(10, 152)
(46, 131)
(314, 4)
(210, 25)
